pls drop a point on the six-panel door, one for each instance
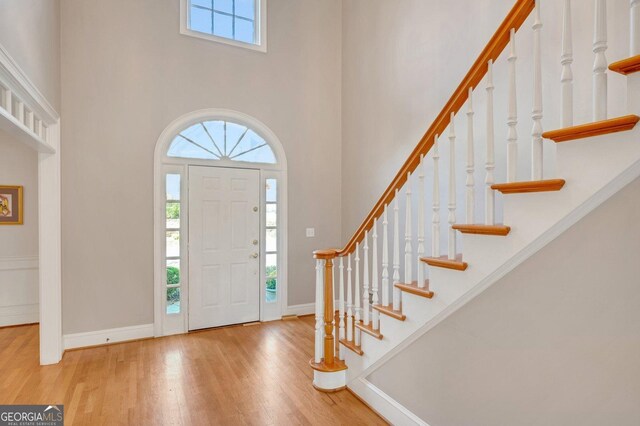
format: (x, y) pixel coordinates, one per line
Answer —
(224, 248)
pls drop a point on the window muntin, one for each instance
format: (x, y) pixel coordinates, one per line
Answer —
(230, 19)
(271, 240)
(221, 140)
(172, 243)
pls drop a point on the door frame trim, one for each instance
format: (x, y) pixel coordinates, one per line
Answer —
(175, 324)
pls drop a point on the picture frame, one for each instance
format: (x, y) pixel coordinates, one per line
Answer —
(11, 205)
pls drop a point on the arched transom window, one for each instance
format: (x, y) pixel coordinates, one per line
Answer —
(221, 140)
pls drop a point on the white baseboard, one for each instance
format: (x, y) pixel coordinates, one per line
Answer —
(113, 335)
(306, 308)
(383, 404)
(20, 314)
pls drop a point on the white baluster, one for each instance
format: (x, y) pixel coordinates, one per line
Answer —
(452, 188)
(536, 112)
(600, 62)
(341, 330)
(7, 101)
(20, 111)
(333, 314)
(512, 114)
(490, 165)
(37, 127)
(408, 249)
(356, 296)
(435, 220)
(366, 318)
(319, 349)
(385, 259)
(28, 120)
(375, 320)
(471, 193)
(421, 190)
(566, 59)
(635, 28)
(349, 301)
(396, 253)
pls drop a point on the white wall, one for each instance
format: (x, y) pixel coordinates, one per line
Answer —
(30, 32)
(19, 243)
(126, 74)
(554, 342)
(402, 60)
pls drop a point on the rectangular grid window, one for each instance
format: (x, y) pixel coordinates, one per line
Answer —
(231, 19)
(172, 245)
(271, 240)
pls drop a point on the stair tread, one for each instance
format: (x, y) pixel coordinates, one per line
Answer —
(479, 229)
(444, 262)
(351, 346)
(612, 125)
(626, 66)
(388, 310)
(529, 186)
(369, 330)
(414, 289)
(338, 365)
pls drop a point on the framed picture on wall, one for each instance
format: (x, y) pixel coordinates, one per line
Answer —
(10, 205)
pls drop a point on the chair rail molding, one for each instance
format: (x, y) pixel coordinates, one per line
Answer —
(18, 263)
(28, 116)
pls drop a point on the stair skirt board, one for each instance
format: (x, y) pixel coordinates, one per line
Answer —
(386, 407)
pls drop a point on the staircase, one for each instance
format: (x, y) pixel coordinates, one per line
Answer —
(383, 308)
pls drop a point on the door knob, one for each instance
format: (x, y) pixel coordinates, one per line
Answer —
(255, 209)
(255, 242)
(255, 255)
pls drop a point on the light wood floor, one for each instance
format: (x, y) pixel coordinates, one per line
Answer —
(255, 375)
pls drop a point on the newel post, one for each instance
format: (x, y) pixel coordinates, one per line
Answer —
(329, 374)
(329, 313)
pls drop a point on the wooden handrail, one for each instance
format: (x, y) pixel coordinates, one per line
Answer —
(516, 17)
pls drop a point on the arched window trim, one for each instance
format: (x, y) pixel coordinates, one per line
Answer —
(165, 324)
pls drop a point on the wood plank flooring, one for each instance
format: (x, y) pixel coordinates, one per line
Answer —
(257, 375)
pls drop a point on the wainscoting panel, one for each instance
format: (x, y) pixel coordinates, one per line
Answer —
(19, 290)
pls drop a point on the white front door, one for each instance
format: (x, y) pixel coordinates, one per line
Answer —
(224, 260)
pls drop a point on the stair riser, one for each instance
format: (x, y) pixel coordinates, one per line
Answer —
(633, 93)
(485, 254)
(614, 152)
(394, 332)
